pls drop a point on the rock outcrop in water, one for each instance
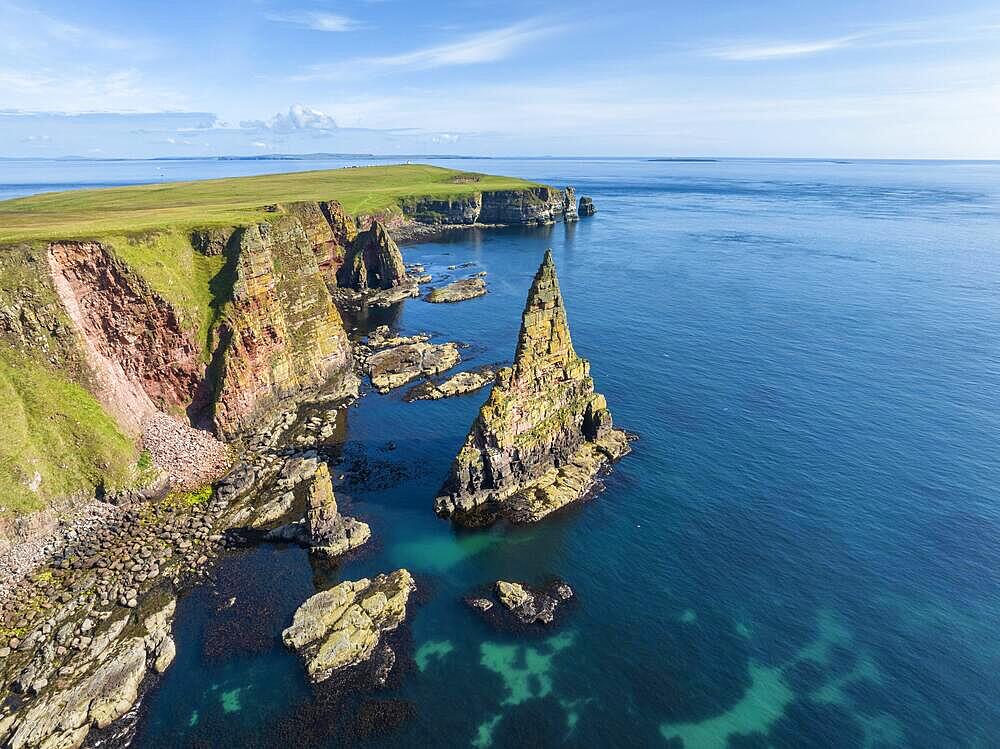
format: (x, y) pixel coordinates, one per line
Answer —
(458, 291)
(393, 361)
(330, 533)
(343, 626)
(587, 207)
(543, 435)
(458, 384)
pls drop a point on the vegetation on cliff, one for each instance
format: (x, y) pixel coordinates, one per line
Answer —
(254, 317)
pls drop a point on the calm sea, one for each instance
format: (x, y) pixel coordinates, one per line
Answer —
(803, 549)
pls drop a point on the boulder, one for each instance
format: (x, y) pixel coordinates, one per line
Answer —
(342, 626)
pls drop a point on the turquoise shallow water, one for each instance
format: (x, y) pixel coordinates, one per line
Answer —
(802, 549)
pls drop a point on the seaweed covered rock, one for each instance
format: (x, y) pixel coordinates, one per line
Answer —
(342, 626)
(373, 261)
(542, 437)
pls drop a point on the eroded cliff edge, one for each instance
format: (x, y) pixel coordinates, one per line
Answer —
(216, 328)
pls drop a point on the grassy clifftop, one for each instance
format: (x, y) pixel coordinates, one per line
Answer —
(87, 214)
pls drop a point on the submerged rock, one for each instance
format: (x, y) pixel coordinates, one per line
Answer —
(543, 435)
(587, 207)
(343, 626)
(459, 384)
(458, 291)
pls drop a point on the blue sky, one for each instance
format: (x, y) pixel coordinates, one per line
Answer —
(855, 79)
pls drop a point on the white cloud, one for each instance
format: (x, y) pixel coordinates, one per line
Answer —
(316, 20)
(80, 89)
(297, 118)
(27, 28)
(482, 47)
(749, 52)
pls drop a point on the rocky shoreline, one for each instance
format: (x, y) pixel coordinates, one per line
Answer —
(83, 634)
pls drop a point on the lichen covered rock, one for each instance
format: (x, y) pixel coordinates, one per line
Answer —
(102, 684)
(391, 367)
(543, 435)
(342, 626)
(373, 261)
(330, 533)
(282, 336)
(458, 384)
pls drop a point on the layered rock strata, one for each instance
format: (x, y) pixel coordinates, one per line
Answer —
(344, 625)
(324, 530)
(458, 291)
(543, 435)
(283, 335)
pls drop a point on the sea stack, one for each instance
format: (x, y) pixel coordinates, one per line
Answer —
(542, 437)
(373, 261)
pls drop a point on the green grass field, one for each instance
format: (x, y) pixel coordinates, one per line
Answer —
(91, 214)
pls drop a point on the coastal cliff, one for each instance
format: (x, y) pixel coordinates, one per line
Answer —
(528, 207)
(543, 434)
(215, 311)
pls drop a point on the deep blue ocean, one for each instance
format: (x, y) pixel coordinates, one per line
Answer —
(803, 550)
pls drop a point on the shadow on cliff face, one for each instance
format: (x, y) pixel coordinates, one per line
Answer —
(201, 412)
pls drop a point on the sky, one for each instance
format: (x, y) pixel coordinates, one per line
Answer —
(823, 78)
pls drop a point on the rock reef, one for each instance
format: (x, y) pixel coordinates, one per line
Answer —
(543, 435)
(394, 361)
(344, 625)
(458, 291)
(458, 384)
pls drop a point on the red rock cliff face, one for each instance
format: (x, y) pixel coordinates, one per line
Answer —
(144, 359)
(283, 334)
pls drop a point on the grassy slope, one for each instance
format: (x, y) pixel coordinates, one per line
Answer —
(56, 428)
(86, 214)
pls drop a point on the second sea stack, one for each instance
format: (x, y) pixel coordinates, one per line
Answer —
(543, 435)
